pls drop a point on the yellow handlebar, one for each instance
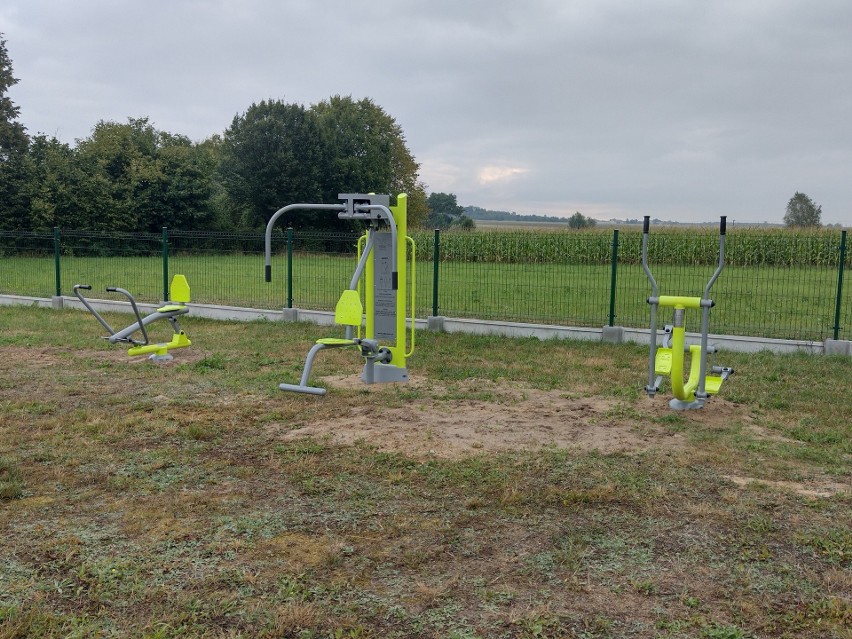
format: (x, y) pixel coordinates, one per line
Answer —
(679, 301)
(413, 291)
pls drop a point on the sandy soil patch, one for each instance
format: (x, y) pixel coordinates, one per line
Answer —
(516, 417)
(825, 489)
(513, 417)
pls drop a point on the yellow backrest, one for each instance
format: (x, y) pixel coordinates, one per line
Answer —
(179, 289)
(349, 310)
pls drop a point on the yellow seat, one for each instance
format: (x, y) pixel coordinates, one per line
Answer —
(335, 341)
(349, 310)
(169, 308)
(179, 290)
(178, 296)
(663, 361)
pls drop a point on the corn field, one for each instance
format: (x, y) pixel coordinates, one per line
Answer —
(695, 247)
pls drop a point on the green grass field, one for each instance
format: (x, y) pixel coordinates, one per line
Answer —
(767, 301)
(514, 488)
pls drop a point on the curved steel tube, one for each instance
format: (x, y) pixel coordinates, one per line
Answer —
(279, 213)
(139, 326)
(124, 334)
(385, 211)
(87, 287)
(651, 388)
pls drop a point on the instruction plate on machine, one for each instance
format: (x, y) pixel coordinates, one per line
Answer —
(384, 301)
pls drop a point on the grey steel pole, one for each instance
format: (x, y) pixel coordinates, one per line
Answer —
(706, 304)
(651, 388)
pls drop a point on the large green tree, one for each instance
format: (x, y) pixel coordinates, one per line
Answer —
(802, 211)
(59, 192)
(15, 169)
(366, 152)
(445, 211)
(13, 135)
(174, 188)
(580, 221)
(147, 178)
(224, 216)
(15, 178)
(271, 156)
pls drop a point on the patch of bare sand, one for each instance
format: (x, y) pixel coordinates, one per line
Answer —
(513, 417)
(32, 357)
(823, 489)
(516, 417)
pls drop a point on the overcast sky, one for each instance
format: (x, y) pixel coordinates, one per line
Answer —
(679, 109)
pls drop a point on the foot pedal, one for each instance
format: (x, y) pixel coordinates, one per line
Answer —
(712, 384)
(663, 361)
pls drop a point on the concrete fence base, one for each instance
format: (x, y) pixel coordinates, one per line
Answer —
(612, 334)
(838, 347)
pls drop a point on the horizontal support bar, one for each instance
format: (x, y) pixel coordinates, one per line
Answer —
(678, 301)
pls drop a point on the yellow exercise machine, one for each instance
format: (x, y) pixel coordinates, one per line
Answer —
(667, 360)
(178, 299)
(375, 326)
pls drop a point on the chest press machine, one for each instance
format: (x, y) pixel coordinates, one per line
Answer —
(377, 328)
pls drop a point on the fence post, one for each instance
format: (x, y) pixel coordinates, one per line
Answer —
(58, 278)
(612, 277)
(436, 255)
(289, 267)
(165, 264)
(841, 266)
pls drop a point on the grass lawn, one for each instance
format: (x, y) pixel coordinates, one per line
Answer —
(514, 488)
(777, 302)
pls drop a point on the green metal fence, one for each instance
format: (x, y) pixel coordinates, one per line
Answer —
(779, 285)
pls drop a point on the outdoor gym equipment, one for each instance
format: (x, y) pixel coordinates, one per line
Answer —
(667, 360)
(178, 298)
(376, 327)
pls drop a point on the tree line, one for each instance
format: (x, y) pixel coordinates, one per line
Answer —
(133, 177)
(576, 221)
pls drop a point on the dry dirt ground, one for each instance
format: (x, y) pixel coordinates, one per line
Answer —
(512, 418)
(516, 417)
(444, 422)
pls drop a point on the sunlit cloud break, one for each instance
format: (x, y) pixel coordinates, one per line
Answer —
(498, 174)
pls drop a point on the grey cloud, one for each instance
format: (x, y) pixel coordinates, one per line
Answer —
(674, 109)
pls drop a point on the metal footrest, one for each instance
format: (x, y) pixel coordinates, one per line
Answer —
(180, 340)
(298, 388)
